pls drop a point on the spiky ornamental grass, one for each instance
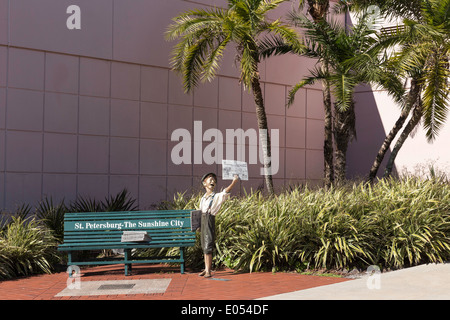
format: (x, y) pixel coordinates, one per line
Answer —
(28, 237)
(26, 247)
(393, 224)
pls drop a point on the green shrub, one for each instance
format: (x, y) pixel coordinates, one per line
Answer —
(120, 202)
(28, 239)
(25, 248)
(52, 216)
(394, 223)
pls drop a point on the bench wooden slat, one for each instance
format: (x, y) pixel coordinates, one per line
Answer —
(112, 235)
(125, 215)
(117, 246)
(168, 259)
(154, 231)
(119, 235)
(115, 239)
(100, 242)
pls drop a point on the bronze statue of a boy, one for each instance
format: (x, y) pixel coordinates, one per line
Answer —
(210, 205)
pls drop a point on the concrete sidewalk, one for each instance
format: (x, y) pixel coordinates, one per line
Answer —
(424, 282)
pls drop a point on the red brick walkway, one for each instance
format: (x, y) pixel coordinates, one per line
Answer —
(188, 286)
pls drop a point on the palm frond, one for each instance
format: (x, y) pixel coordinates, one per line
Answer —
(273, 46)
(298, 86)
(435, 96)
(288, 34)
(197, 54)
(388, 8)
(267, 5)
(316, 74)
(193, 63)
(211, 63)
(249, 61)
(194, 20)
(343, 88)
(442, 11)
(123, 201)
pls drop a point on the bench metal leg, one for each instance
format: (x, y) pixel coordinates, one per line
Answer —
(69, 262)
(182, 259)
(127, 256)
(128, 269)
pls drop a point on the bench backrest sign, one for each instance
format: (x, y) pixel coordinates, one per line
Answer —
(124, 224)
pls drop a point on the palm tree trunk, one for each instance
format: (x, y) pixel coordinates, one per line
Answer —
(344, 131)
(263, 133)
(412, 99)
(318, 11)
(328, 136)
(416, 116)
(386, 144)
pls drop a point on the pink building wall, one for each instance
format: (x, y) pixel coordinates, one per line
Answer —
(91, 111)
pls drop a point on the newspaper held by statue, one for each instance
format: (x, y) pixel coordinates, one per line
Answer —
(135, 236)
(232, 167)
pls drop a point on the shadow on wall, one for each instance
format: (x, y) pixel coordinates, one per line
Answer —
(370, 136)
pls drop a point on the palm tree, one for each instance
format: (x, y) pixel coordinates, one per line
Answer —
(353, 57)
(423, 58)
(318, 9)
(205, 33)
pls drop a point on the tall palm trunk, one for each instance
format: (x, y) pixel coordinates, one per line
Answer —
(412, 99)
(318, 11)
(263, 133)
(328, 136)
(412, 123)
(344, 131)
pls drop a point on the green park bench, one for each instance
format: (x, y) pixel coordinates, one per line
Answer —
(127, 230)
